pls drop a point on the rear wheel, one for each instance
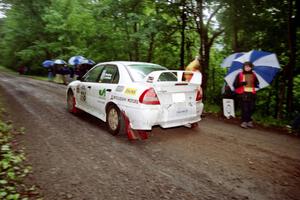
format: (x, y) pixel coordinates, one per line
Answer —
(115, 120)
(71, 102)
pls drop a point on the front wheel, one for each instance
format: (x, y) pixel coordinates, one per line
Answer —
(114, 120)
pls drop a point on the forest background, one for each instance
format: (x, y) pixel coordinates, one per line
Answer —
(167, 32)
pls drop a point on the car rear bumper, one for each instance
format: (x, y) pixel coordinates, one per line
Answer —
(146, 118)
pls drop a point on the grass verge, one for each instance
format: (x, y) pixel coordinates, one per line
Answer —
(264, 121)
(13, 169)
(9, 71)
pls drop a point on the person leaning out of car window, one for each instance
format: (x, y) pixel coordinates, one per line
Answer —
(245, 84)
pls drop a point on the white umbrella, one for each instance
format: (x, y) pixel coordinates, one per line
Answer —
(227, 62)
(266, 66)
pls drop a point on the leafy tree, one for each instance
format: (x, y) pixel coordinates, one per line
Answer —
(22, 28)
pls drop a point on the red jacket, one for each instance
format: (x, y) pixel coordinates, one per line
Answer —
(242, 86)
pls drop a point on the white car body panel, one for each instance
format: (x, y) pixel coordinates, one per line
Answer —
(178, 105)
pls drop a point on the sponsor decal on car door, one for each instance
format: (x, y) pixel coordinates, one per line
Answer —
(105, 87)
(86, 89)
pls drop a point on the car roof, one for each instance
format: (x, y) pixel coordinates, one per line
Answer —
(126, 63)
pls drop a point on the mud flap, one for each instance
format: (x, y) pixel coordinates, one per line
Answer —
(131, 134)
(194, 125)
(74, 109)
(143, 134)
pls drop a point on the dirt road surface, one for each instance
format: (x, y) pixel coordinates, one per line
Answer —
(74, 157)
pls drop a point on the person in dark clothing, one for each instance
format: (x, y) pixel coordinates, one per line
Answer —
(82, 69)
(51, 73)
(22, 70)
(296, 125)
(245, 86)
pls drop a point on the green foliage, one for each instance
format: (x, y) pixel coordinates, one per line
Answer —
(297, 93)
(269, 121)
(12, 167)
(101, 30)
(144, 30)
(213, 108)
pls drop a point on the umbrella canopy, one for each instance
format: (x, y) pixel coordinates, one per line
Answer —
(75, 60)
(47, 63)
(87, 61)
(265, 64)
(59, 62)
(227, 62)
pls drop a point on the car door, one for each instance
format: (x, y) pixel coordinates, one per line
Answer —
(107, 83)
(86, 99)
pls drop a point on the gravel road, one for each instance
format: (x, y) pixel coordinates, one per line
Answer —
(74, 157)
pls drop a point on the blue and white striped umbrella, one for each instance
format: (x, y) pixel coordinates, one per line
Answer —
(59, 62)
(227, 62)
(47, 63)
(76, 60)
(266, 66)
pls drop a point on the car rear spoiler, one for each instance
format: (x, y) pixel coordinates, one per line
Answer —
(180, 74)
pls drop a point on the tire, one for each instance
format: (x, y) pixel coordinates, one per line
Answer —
(114, 120)
(71, 102)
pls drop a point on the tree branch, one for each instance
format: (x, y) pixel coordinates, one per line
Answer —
(213, 14)
(215, 35)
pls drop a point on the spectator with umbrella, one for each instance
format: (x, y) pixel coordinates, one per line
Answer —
(49, 65)
(59, 72)
(84, 66)
(75, 61)
(250, 72)
(245, 85)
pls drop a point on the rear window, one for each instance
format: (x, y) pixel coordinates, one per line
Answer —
(140, 71)
(167, 76)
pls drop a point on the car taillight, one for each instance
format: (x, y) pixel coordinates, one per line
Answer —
(198, 96)
(149, 97)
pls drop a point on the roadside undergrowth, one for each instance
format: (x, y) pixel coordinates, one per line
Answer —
(13, 167)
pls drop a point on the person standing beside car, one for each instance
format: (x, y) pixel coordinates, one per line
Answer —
(245, 84)
(192, 74)
(194, 66)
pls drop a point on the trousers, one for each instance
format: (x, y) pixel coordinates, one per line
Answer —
(247, 105)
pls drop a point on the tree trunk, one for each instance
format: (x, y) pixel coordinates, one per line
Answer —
(281, 95)
(292, 56)
(188, 45)
(235, 45)
(205, 41)
(151, 47)
(136, 44)
(183, 25)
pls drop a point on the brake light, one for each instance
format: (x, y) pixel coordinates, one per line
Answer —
(149, 96)
(198, 96)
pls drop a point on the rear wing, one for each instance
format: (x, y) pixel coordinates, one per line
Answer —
(174, 75)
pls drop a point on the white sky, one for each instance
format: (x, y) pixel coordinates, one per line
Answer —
(2, 6)
(1, 15)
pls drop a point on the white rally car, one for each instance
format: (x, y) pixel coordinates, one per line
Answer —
(137, 96)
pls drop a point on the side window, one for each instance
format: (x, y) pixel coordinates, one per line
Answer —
(93, 74)
(110, 74)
